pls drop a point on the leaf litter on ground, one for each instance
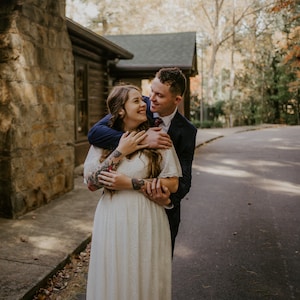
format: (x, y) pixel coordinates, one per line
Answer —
(68, 282)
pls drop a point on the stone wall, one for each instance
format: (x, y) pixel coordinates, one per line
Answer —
(36, 105)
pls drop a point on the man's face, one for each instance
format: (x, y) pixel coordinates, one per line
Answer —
(163, 101)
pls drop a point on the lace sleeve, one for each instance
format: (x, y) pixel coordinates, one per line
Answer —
(92, 163)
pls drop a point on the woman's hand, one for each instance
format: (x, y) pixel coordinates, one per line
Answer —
(113, 180)
(131, 142)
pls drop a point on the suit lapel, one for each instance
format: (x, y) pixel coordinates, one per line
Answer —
(175, 128)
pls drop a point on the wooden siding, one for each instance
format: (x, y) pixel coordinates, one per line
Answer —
(92, 54)
(97, 89)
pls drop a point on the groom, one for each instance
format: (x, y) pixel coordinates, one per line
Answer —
(167, 89)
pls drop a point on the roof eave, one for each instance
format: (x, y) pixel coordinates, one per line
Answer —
(97, 40)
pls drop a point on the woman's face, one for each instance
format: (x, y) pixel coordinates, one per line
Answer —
(135, 110)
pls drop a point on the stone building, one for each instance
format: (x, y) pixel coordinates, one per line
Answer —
(36, 105)
(41, 101)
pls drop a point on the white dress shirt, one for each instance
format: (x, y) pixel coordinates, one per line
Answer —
(165, 125)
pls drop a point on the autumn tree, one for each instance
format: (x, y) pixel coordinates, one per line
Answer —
(238, 61)
(288, 47)
(263, 90)
(224, 19)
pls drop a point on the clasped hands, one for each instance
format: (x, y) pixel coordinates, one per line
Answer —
(152, 189)
(156, 192)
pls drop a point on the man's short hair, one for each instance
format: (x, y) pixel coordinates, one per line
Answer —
(173, 77)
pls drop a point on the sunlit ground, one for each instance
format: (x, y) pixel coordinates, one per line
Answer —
(259, 182)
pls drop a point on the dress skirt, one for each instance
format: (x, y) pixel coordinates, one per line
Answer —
(131, 244)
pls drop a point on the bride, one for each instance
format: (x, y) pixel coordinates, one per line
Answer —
(131, 244)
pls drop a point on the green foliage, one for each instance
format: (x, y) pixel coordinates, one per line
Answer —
(211, 114)
(195, 106)
(219, 108)
(207, 124)
(263, 90)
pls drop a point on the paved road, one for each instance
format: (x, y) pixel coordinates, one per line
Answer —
(239, 236)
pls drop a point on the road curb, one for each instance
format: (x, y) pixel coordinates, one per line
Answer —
(31, 293)
(208, 141)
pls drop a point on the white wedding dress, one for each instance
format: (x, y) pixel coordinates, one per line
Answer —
(131, 245)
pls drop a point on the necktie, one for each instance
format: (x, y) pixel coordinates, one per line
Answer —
(157, 122)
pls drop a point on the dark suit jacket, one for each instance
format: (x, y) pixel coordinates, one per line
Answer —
(183, 136)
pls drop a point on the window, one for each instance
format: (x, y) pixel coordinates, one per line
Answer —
(81, 96)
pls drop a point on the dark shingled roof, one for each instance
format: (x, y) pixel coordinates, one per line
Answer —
(154, 51)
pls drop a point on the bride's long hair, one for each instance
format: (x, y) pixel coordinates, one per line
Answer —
(115, 103)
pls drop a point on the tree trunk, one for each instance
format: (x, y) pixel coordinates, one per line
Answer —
(232, 68)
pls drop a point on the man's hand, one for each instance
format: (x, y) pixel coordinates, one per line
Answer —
(132, 141)
(156, 192)
(157, 139)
